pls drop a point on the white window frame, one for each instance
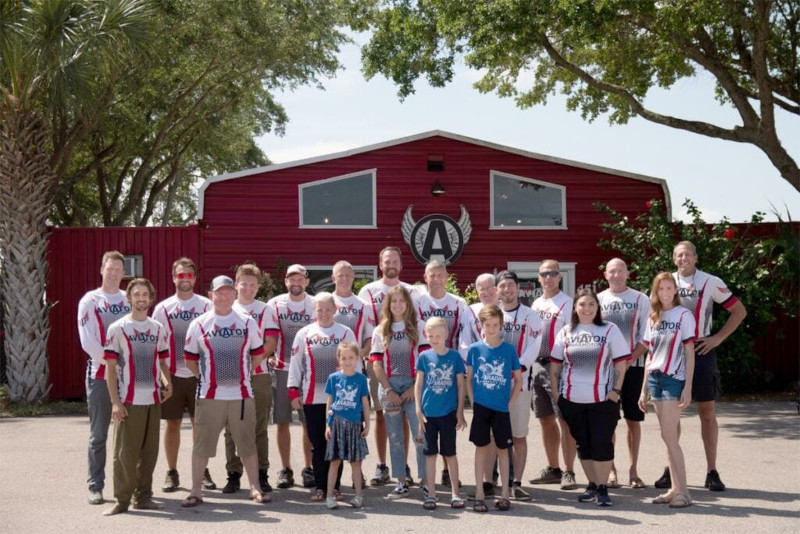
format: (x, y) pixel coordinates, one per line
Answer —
(132, 266)
(371, 268)
(302, 187)
(562, 188)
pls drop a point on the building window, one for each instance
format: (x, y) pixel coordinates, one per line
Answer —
(133, 266)
(320, 277)
(342, 202)
(524, 203)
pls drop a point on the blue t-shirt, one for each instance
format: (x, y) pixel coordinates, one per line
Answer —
(440, 389)
(492, 374)
(347, 392)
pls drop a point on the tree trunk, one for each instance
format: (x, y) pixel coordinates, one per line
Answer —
(26, 181)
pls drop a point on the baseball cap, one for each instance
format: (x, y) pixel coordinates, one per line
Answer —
(222, 281)
(296, 268)
(506, 275)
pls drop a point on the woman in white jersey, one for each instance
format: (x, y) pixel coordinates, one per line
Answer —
(668, 376)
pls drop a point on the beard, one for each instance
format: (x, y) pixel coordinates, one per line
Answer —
(391, 273)
(296, 291)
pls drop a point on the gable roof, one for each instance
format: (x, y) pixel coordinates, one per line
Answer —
(417, 137)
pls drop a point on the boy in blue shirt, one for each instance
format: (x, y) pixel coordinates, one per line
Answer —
(493, 383)
(439, 394)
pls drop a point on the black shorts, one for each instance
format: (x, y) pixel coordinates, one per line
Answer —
(592, 425)
(706, 385)
(184, 391)
(485, 420)
(440, 435)
(631, 390)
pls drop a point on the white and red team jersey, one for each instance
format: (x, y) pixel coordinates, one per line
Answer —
(555, 313)
(314, 360)
(588, 353)
(399, 355)
(257, 310)
(522, 329)
(284, 320)
(137, 346)
(461, 330)
(698, 293)
(97, 311)
(628, 310)
(353, 313)
(375, 292)
(666, 341)
(223, 345)
(176, 314)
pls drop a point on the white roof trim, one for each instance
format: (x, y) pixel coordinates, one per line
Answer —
(425, 135)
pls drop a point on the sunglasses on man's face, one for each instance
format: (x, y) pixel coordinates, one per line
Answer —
(185, 276)
(549, 274)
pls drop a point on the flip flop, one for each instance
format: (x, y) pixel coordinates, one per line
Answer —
(480, 506)
(503, 504)
(457, 502)
(637, 483)
(612, 483)
(260, 498)
(429, 504)
(191, 501)
(318, 496)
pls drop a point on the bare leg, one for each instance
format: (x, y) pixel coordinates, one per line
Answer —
(333, 471)
(355, 467)
(590, 472)
(250, 464)
(669, 414)
(199, 464)
(430, 480)
(452, 462)
(568, 446)
(634, 440)
(481, 454)
(172, 442)
(284, 444)
(306, 447)
(550, 439)
(380, 436)
(502, 458)
(520, 451)
(709, 429)
(612, 475)
(491, 456)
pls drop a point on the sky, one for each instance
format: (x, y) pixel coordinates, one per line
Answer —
(723, 178)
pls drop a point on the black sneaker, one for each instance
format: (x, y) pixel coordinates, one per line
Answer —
(409, 480)
(308, 477)
(488, 489)
(665, 482)
(519, 494)
(445, 478)
(548, 475)
(398, 492)
(713, 481)
(381, 475)
(602, 496)
(263, 481)
(234, 483)
(172, 482)
(207, 482)
(285, 478)
(590, 494)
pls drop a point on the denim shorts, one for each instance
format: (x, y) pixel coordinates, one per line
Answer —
(664, 387)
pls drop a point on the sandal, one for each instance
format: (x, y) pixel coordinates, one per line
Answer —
(480, 506)
(666, 498)
(318, 496)
(191, 501)
(429, 504)
(337, 495)
(503, 504)
(357, 501)
(457, 502)
(681, 500)
(260, 498)
(612, 483)
(637, 483)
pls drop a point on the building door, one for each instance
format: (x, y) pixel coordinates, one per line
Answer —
(528, 274)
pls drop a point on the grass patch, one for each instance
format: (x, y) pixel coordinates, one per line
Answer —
(42, 409)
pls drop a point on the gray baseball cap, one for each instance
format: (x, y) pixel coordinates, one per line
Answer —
(222, 281)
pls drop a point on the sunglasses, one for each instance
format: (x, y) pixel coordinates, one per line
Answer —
(549, 274)
(185, 276)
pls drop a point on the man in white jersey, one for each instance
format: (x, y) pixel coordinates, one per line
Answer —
(522, 329)
(351, 311)
(391, 265)
(628, 309)
(698, 292)
(288, 313)
(248, 280)
(222, 348)
(97, 311)
(175, 314)
(137, 347)
(555, 310)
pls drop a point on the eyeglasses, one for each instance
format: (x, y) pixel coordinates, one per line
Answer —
(185, 276)
(549, 274)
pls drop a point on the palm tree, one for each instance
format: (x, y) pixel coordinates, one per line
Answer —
(52, 54)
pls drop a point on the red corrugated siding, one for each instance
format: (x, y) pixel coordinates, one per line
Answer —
(74, 255)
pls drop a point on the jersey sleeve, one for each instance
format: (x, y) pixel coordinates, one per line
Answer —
(469, 331)
(620, 351)
(271, 324)
(721, 294)
(377, 351)
(191, 347)
(688, 327)
(532, 342)
(90, 331)
(642, 321)
(162, 345)
(295, 379)
(255, 337)
(113, 347)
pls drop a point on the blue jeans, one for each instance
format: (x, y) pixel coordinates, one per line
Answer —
(99, 420)
(664, 387)
(394, 427)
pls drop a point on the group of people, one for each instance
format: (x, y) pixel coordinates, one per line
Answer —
(232, 361)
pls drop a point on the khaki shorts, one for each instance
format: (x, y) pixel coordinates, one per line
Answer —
(184, 391)
(211, 416)
(521, 414)
(281, 405)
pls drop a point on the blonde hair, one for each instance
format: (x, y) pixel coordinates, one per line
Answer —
(347, 345)
(436, 322)
(409, 317)
(655, 303)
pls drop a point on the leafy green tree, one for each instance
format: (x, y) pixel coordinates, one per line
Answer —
(605, 56)
(761, 272)
(51, 54)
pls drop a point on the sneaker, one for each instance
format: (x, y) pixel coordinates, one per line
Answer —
(568, 481)
(285, 478)
(590, 494)
(263, 481)
(488, 489)
(171, 482)
(96, 497)
(409, 480)
(308, 477)
(665, 482)
(548, 475)
(425, 492)
(445, 478)
(602, 496)
(713, 481)
(234, 482)
(519, 494)
(331, 504)
(381, 475)
(207, 482)
(147, 504)
(398, 492)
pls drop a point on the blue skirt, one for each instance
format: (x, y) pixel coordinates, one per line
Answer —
(346, 442)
